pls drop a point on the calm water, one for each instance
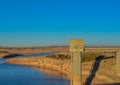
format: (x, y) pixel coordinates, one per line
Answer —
(20, 75)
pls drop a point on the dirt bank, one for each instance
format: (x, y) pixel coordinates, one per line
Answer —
(104, 74)
(59, 66)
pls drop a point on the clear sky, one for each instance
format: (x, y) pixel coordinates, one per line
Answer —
(55, 22)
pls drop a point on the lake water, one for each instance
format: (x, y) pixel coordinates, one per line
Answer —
(21, 75)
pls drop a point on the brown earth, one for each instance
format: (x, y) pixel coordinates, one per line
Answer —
(55, 49)
(105, 74)
(3, 54)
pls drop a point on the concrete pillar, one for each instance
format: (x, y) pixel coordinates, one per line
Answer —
(76, 63)
(76, 48)
(76, 68)
(118, 63)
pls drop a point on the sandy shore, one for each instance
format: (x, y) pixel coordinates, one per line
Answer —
(59, 66)
(104, 75)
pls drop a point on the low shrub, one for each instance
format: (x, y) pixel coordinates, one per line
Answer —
(86, 57)
(60, 56)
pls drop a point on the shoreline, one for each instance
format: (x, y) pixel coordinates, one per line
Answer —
(47, 65)
(52, 66)
(62, 68)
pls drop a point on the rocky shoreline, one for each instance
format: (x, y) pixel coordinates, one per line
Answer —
(63, 68)
(54, 66)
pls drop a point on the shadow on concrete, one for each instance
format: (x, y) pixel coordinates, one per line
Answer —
(95, 68)
(12, 55)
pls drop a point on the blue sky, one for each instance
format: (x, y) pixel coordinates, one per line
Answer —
(55, 22)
